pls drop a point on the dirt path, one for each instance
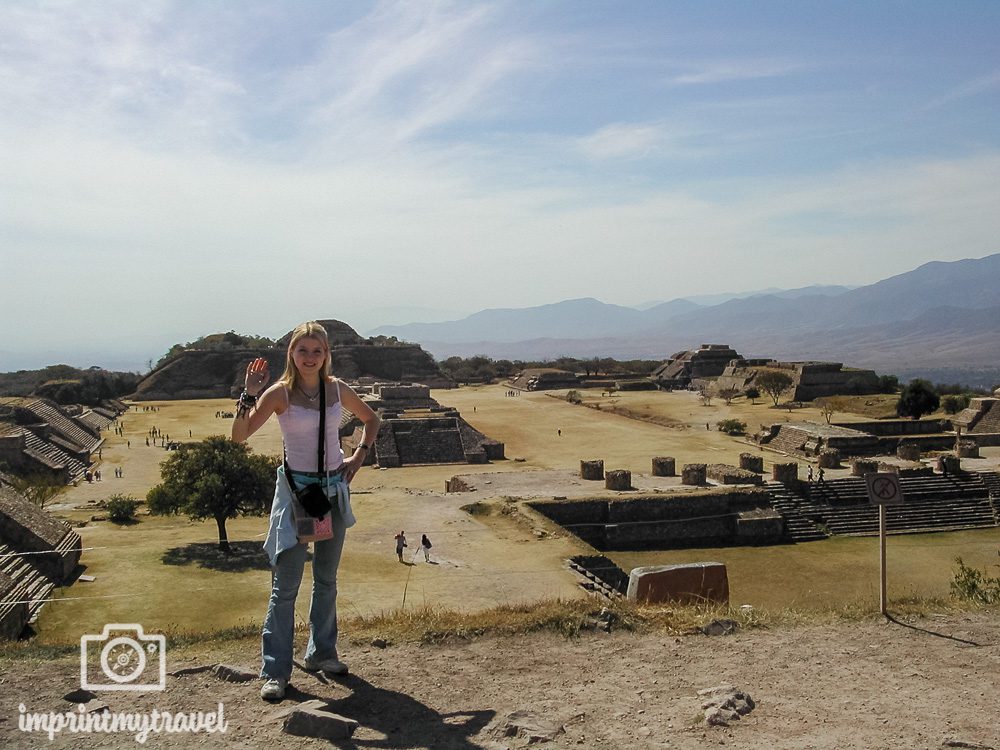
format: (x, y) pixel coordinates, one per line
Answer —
(844, 685)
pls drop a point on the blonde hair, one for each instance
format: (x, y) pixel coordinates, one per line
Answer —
(308, 330)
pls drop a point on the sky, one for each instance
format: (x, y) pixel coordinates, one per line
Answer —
(172, 169)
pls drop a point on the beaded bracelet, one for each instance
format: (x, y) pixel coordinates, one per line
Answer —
(245, 403)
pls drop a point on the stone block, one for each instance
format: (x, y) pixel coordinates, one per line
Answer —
(315, 722)
(786, 473)
(752, 462)
(693, 474)
(618, 479)
(949, 463)
(908, 451)
(968, 449)
(829, 458)
(592, 469)
(862, 466)
(664, 466)
(689, 583)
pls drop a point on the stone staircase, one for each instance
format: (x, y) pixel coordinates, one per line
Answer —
(600, 575)
(29, 584)
(798, 526)
(428, 441)
(61, 424)
(788, 440)
(51, 456)
(934, 503)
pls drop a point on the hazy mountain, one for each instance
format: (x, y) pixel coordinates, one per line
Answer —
(571, 318)
(829, 290)
(941, 315)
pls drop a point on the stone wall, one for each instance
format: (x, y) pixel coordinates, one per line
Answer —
(708, 519)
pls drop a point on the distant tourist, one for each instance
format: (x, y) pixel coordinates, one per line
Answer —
(821, 473)
(425, 547)
(296, 398)
(809, 476)
(400, 544)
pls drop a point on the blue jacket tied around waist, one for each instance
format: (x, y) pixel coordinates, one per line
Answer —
(281, 529)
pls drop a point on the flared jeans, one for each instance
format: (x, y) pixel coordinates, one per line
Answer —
(279, 626)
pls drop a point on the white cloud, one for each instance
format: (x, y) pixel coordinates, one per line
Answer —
(724, 71)
(975, 87)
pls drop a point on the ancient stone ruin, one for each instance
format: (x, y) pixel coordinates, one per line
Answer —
(707, 361)
(545, 379)
(883, 437)
(981, 421)
(416, 429)
(810, 380)
(786, 509)
(38, 436)
(37, 553)
(219, 373)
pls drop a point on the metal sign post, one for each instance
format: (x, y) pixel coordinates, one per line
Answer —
(883, 490)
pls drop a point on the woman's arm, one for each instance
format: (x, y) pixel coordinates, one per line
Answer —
(353, 403)
(246, 423)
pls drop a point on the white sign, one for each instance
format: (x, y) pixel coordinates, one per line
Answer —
(884, 489)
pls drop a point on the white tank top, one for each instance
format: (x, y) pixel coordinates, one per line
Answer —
(299, 429)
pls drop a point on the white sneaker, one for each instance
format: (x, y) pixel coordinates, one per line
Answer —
(333, 665)
(273, 689)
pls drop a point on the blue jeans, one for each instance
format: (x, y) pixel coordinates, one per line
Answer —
(279, 626)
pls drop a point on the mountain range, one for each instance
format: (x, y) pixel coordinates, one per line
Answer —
(940, 320)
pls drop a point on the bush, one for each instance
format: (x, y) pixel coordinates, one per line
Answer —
(972, 585)
(916, 399)
(953, 404)
(732, 427)
(121, 508)
(574, 397)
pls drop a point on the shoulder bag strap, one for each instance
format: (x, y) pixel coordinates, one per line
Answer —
(322, 424)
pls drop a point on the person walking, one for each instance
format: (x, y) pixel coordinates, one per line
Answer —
(425, 547)
(400, 544)
(295, 398)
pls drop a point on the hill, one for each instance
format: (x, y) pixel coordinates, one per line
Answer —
(937, 318)
(218, 371)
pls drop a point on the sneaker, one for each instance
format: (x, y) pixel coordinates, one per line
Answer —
(333, 665)
(273, 689)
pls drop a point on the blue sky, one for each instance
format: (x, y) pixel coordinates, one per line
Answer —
(171, 169)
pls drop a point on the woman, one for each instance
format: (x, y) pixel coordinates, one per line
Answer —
(295, 399)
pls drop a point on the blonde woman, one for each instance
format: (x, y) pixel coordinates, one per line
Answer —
(295, 399)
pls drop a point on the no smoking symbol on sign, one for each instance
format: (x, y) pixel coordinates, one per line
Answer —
(883, 489)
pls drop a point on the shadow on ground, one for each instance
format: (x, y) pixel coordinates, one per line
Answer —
(242, 556)
(403, 721)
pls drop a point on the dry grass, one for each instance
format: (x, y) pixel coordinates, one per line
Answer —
(568, 618)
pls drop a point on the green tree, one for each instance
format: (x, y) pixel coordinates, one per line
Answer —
(774, 383)
(954, 403)
(732, 426)
(888, 384)
(215, 478)
(752, 393)
(728, 394)
(916, 399)
(121, 508)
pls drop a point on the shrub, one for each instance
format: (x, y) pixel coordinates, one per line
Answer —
(954, 403)
(972, 585)
(574, 397)
(732, 427)
(121, 508)
(916, 399)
